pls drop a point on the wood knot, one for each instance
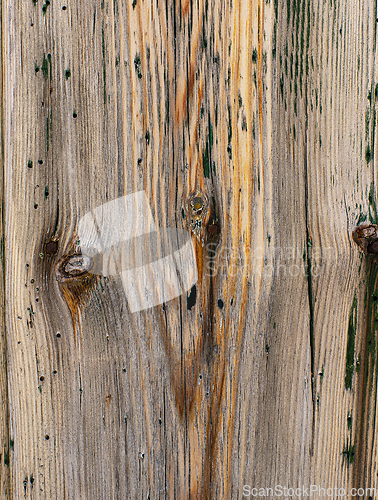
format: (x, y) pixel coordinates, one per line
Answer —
(51, 247)
(366, 237)
(74, 266)
(198, 212)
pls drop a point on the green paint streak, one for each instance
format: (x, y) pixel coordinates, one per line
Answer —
(50, 64)
(349, 452)
(6, 457)
(373, 213)
(45, 67)
(349, 422)
(206, 157)
(206, 162)
(288, 11)
(349, 369)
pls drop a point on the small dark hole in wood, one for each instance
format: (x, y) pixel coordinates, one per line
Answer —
(64, 7)
(55, 372)
(58, 335)
(47, 437)
(40, 162)
(213, 228)
(41, 378)
(74, 114)
(30, 164)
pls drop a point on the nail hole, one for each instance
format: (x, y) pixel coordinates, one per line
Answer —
(58, 335)
(64, 7)
(40, 162)
(30, 164)
(41, 378)
(47, 437)
(213, 228)
(74, 114)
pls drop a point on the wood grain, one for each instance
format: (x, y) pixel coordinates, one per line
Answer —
(261, 113)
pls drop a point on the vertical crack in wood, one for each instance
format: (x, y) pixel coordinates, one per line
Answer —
(309, 283)
(308, 246)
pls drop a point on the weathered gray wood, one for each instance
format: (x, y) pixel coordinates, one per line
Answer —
(6, 443)
(265, 111)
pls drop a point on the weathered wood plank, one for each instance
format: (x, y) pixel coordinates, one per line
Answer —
(250, 125)
(6, 443)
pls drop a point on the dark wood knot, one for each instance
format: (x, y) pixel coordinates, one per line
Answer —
(74, 266)
(366, 237)
(51, 247)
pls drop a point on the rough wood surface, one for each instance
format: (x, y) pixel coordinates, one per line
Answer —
(265, 111)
